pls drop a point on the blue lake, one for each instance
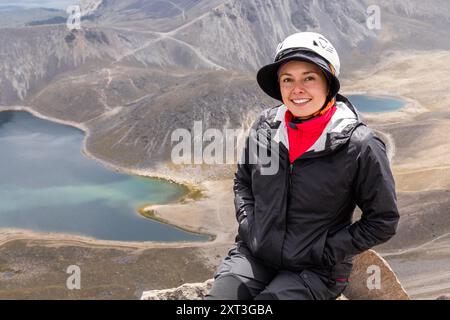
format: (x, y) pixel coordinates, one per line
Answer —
(375, 104)
(47, 185)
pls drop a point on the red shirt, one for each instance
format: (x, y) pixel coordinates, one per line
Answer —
(306, 134)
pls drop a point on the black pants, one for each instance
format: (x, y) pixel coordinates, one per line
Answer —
(242, 277)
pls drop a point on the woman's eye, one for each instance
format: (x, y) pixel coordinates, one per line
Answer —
(287, 80)
(309, 78)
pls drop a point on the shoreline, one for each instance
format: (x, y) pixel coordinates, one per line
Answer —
(161, 212)
(195, 193)
(411, 108)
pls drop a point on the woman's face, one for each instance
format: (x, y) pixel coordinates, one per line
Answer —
(303, 87)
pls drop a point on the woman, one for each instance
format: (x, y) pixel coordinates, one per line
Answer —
(296, 238)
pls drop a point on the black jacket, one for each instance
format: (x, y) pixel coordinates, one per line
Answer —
(300, 216)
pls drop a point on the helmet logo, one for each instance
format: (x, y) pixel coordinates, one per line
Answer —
(324, 44)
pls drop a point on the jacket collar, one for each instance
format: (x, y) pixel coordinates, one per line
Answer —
(337, 131)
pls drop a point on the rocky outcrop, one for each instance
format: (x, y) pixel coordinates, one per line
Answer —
(187, 291)
(371, 279)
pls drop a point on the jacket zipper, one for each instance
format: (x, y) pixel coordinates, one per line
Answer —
(291, 168)
(289, 186)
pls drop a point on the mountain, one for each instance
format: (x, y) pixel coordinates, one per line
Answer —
(138, 70)
(147, 15)
(213, 34)
(15, 16)
(228, 32)
(186, 57)
(47, 4)
(37, 54)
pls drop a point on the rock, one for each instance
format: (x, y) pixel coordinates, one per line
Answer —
(187, 291)
(364, 283)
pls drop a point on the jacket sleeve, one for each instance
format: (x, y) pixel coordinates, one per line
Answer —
(243, 194)
(374, 193)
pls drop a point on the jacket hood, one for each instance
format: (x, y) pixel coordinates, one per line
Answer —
(336, 133)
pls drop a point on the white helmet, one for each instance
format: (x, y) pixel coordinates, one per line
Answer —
(304, 46)
(312, 41)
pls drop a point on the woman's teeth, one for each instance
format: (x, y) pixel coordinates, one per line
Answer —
(301, 101)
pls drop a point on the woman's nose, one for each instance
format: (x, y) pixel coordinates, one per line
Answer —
(298, 87)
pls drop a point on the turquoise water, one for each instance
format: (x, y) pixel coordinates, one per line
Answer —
(375, 104)
(47, 185)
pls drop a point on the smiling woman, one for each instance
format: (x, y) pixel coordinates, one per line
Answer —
(304, 88)
(296, 238)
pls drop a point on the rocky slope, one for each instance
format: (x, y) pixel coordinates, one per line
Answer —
(111, 73)
(216, 34)
(137, 70)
